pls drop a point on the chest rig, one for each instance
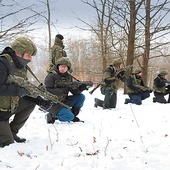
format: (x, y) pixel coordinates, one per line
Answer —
(10, 103)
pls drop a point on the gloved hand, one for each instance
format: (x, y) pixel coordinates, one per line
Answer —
(44, 104)
(22, 92)
(83, 87)
(149, 90)
(121, 74)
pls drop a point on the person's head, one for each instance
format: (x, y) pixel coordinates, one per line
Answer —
(59, 36)
(137, 71)
(24, 49)
(63, 64)
(163, 74)
(117, 63)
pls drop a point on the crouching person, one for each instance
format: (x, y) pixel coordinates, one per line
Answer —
(15, 105)
(59, 73)
(136, 89)
(161, 88)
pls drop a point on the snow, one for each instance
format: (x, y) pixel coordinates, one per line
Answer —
(129, 137)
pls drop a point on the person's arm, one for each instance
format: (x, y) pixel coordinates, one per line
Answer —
(132, 85)
(107, 78)
(6, 89)
(50, 85)
(159, 82)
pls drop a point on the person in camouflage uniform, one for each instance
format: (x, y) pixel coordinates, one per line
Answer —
(13, 99)
(109, 89)
(161, 88)
(59, 73)
(56, 51)
(136, 89)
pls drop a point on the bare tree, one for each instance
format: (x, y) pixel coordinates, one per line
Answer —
(12, 24)
(102, 27)
(142, 25)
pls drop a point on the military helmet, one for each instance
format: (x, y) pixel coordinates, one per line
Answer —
(117, 62)
(64, 61)
(137, 70)
(163, 73)
(24, 45)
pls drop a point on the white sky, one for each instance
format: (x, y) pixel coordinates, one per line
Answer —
(64, 14)
(129, 137)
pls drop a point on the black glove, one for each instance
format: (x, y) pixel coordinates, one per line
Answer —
(121, 74)
(149, 91)
(22, 92)
(82, 87)
(44, 104)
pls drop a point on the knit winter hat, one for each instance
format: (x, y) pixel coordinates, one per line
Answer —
(60, 36)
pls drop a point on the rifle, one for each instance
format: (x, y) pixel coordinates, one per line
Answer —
(34, 90)
(123, 69)
(75, 84)
(119, 71)
(91, 92)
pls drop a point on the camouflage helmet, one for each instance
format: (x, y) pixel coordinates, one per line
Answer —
(137, 70)
(163, 73)
(64, 61)
(117, 62)
(24, 45)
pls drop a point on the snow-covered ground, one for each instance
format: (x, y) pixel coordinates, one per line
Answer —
(129, 137)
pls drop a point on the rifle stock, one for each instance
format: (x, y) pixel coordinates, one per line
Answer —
(91, 92)
(34, 90)
(74, 84)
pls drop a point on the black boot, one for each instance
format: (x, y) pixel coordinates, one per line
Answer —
(154, 99)
(126, 101)
(75, 111)
(98, 102)
(76, 119)
(18, 139)
(50, 118)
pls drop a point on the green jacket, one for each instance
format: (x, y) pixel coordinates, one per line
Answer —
(110, 79)
(56, 52)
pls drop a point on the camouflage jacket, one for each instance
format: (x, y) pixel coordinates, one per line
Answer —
(135, 84)
(110, 79)
(56, 52)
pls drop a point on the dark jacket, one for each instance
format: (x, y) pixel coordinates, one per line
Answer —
(55, 77)
(110, 78)
(51, 81)
(9, 64)
(6, 69)
(135, 84)
(159, 84)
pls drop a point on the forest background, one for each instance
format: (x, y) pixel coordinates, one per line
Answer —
(95, 31)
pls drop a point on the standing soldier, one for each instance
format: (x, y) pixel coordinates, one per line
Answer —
(109, 89)
(161, 88)
(56, 51)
